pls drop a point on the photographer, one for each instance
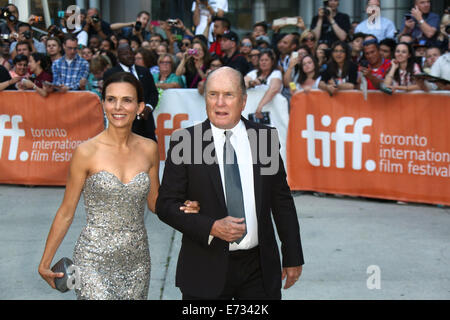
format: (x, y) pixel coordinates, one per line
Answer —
(95, 25)
(203, 11)
(135, 28)
(421, 23)
(25, 34)
(330, 25)
(11, 16)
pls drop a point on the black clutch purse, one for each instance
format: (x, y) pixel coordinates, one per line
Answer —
(62, 266)
(264, 120)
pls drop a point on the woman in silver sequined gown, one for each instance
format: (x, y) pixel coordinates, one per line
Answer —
(118, 172)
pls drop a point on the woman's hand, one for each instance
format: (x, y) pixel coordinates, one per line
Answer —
(49, 276)
(190, 207)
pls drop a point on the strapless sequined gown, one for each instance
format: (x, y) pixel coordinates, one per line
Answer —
(112, 251)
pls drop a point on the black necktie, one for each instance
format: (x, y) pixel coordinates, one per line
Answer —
(233, 186)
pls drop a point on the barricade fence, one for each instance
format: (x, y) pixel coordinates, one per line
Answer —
(393, 147)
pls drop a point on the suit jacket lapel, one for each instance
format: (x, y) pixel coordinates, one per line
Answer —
(213, 169)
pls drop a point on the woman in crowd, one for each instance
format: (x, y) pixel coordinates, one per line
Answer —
(118, 173)
(341, 72)
(403, 67)
(267, 76)
(166, 78)
(148, 59)
(193, 66)
(20, 67)
(184, 45)
(321, 55)
(40, 66)
(87, 54)
(308, 38)
(254, 58)
(292, 72)
(54, 48)
(247, 44)
(308, 74)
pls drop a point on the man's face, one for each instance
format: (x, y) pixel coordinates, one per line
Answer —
(154, 43)
(424, 5)
(285, 44)
(226, 44)
(125, 55)
(333, 4)
(372, 54)
(224, 99)
(373, 6)
(92, 12)
(385, 51)
(23, 49)
(219, 28)
(70, 48)
(432, 55)
(258, 31)
(144, 19)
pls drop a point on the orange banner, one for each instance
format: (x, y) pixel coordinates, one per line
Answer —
(38, 135)
(393, 147)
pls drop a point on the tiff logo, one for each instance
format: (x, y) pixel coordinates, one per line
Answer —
(15, 133)
(340, 136)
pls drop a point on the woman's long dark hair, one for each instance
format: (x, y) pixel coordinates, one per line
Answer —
(46, 62)
(333, 67)
(126, 77)
(302, 75)
(409, 65)
(190, 65)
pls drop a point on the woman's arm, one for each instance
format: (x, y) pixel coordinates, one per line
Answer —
(181, 69)
(64, 216)
(274, 88)
(154, 176)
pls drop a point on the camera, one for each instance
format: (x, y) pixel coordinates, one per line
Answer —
(385, 89)
(172, 22)
(95, 18)
(4, 36)
(408, 16)
(327, 11)
(138, 26)
(192, 52)
(364, 63)
(27, 35)
(7, 15)
(447, 29)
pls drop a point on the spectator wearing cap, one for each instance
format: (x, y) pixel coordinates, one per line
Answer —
(331, 25)
(375, 24)
(420, 51)
(232, 57)
(263, 42)
(421, 23)
(377, 67)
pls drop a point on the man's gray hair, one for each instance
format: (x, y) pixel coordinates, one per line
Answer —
(236, 72)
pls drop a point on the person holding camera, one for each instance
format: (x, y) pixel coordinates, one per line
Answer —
(331, 25)
(136, 28)
(11, 16)
(95, 25)
(204, 11)
(375, 24)
(194, 64)
(421, 23)
(25, 34)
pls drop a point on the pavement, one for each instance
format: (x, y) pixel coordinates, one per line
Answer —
(354, 248)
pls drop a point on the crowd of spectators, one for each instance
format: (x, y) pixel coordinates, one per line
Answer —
(334, 54)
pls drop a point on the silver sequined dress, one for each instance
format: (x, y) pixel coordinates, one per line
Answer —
(112, 251)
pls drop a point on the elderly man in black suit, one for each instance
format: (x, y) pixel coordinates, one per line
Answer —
(144, 124)
(234, 169)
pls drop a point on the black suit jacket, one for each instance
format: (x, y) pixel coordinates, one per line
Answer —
(145, 128)
(201, 269)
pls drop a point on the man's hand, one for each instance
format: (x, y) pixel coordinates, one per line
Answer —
(292, 274)
(229, 228)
